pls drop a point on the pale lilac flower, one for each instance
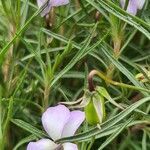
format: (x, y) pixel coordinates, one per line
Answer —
(51, 3)
(133, 5)
(58, 122)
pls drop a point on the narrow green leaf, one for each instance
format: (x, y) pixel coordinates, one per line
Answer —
(124, 70)
(26, 126)
(108, 124)
(76, 57)
(20, 31)
(123, 15)
(114, 135)
(25, 140)
(102, 91)
(144, 141)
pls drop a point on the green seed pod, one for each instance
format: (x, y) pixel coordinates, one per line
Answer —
(95, 110)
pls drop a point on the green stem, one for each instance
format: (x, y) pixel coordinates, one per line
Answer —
(5, 6)
(18, 13)
(91, 143)
(46, 97)
(6, 124)
(1, 135)
(104, 77)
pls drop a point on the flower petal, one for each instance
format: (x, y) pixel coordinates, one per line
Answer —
(70, 146)
(140, 3)
(122, 2)
(59, 2)
(43, 144)
(40, 3)
(46, 9)
(54, 120)
(75, 120)
(132, 7)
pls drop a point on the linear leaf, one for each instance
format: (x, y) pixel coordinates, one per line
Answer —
(106, 125)
(26, 126)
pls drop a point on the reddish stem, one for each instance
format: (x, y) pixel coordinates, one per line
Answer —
(90, 80)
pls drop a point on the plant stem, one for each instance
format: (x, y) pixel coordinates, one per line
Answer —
(21, 30)
(117, 47)
(90, 81)
(108, 80)
(6, 124)
(46, 96)
(8, 59)
(1, 134)
(91, 143)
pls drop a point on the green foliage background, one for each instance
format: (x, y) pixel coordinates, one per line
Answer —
(42, 65)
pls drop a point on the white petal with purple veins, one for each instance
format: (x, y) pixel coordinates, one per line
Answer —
(70, 146)
(59, 2)
(43, 144)
(54, 120)
(140, 3)
(75, 120)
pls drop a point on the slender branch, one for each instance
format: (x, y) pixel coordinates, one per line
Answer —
(46, 97)
(104, 77)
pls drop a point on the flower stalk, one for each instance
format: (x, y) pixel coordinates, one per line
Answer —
(9, 55)
(108, 80)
